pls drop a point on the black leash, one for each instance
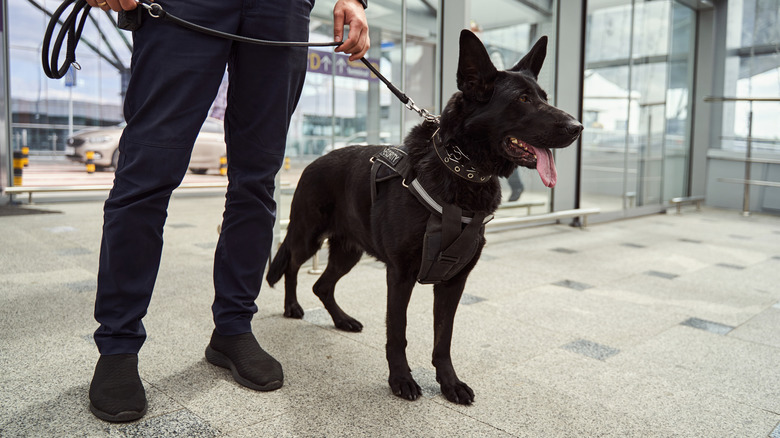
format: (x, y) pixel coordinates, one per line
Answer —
(69, 29)
(156, 11)
(72, 31)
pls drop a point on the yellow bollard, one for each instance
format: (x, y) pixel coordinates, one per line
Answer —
(286, 163)
(90, 155)
(26, 156)
(223, 165)
(18, 166)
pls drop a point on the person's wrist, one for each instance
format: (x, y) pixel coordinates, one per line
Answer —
(364, 3)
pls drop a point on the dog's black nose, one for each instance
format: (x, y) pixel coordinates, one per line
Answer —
(574, 128)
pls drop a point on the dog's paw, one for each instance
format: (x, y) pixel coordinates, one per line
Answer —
(293, 310)
(405, 387)
(349, 325)
(458, 392)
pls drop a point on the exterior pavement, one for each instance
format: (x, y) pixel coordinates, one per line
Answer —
(666, 325)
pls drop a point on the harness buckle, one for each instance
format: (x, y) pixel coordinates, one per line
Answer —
(448, 258)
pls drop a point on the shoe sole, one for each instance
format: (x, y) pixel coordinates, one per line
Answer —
(122, 417)
(216, 358)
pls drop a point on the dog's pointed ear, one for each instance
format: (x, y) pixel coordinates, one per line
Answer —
(476, 73)
(533, 60)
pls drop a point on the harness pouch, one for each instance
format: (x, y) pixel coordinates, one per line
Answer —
(451, 240)
(447, 247)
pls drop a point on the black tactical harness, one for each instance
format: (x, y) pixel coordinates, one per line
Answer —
(452, 236)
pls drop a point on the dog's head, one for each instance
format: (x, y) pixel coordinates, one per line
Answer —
(504, 115)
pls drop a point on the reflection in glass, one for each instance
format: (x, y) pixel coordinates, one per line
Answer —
(636, 103)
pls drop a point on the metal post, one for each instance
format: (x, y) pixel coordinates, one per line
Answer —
(403, 65)
(749, 153)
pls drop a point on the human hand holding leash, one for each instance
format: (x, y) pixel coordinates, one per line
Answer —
(350, 13)
(114, 5)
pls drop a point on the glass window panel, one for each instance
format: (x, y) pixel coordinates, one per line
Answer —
(651, 29)
(752, 70)
(635, 145)
(608, 32)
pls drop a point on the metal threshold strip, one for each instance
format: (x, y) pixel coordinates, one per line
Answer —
(94, 188)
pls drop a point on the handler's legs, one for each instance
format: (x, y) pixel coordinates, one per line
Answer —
(175, 76)
(265, 85)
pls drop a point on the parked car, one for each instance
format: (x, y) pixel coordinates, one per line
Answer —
(209, 146)
(359, 138)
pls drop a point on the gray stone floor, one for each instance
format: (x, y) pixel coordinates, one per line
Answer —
(667, 325)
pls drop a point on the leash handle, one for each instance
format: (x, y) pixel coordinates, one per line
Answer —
(70, 30)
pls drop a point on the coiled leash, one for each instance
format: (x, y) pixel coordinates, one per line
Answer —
(73, 25)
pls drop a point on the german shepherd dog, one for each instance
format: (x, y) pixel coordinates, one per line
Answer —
(499, 120)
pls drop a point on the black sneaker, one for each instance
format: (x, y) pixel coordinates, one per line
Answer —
(116, 393)
(250, 364)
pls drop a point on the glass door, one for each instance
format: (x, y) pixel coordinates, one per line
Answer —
(638, 76)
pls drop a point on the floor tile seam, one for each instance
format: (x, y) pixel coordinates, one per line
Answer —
(443, 402)
(338, 332)
(577, 395)
(182, 407)
(726, 396)
(251, 425)
(697, 391)
(687, 371)
(149, 384)
(730, 335)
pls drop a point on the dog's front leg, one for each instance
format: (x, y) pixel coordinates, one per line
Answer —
(399, 290)
(446, 297)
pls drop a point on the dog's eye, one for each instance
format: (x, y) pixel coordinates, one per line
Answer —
(524, 98)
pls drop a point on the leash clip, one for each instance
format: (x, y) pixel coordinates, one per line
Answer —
(422, 112)
(154, 8)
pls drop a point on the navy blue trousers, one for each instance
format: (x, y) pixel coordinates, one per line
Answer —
(175, 77)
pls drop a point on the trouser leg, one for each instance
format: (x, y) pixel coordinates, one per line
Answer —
(175, 76)
(265, 85)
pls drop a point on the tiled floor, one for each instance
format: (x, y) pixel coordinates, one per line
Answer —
(667, 325)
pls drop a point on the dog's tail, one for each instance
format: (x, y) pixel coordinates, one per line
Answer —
(278, 264)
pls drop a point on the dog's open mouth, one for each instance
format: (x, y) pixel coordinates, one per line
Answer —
(541, 159)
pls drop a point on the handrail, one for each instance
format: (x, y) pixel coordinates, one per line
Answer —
(749, 150)
(751, 182)
(740, 99)
(752, 160)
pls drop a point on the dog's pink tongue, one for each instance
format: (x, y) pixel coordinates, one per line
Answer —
(546, 167)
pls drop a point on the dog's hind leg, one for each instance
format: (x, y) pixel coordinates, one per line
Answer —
(342, 257)
(446, 297)
(297, 248)
(399, 291)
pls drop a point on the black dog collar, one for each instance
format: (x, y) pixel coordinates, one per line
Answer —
(457, 161)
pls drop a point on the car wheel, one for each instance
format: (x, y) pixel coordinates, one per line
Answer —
(115, 158)
(197, 171)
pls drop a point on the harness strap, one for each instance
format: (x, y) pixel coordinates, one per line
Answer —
(396, 159)
(451, 236)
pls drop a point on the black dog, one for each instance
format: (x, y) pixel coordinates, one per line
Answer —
(498, 120)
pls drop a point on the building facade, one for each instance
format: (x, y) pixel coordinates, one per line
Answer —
(646, 78)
